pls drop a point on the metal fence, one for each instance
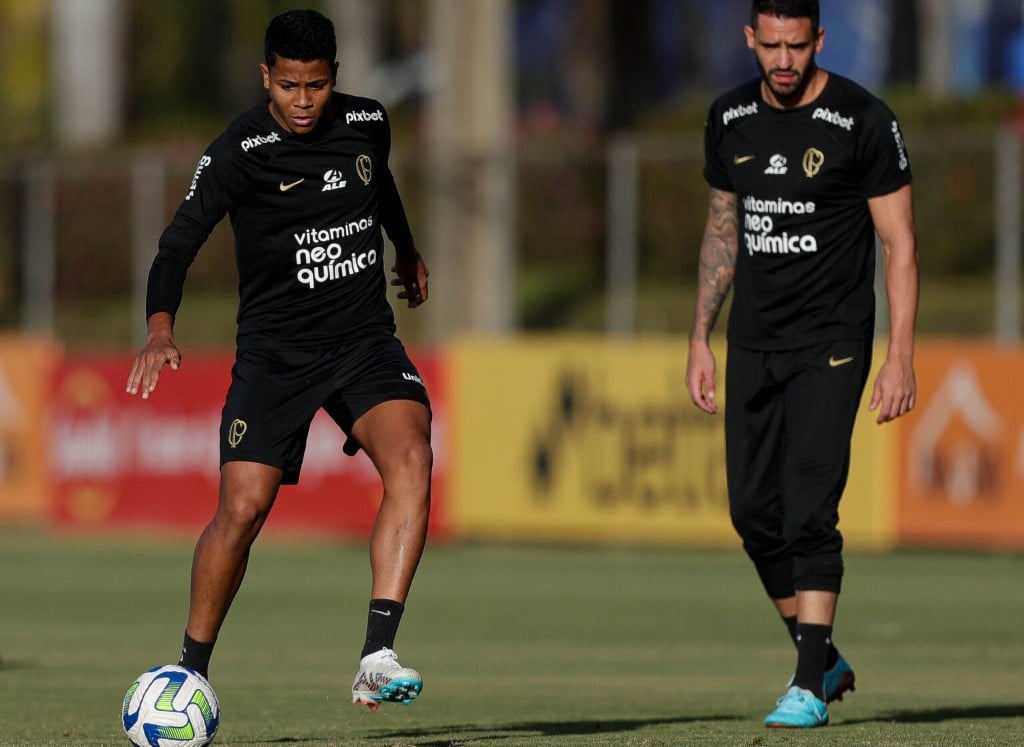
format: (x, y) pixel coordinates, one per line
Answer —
(599, 229)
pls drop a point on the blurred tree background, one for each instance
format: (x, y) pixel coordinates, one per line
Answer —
(582, 75)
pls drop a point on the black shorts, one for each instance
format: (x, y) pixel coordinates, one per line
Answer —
(789, 419)
(274, 395)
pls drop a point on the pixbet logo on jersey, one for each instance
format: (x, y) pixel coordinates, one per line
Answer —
(744, 110)
(364, 116)
(834, 118)
(257, 140)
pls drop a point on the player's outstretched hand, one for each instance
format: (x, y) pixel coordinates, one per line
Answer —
(149, 363)
(411, 275)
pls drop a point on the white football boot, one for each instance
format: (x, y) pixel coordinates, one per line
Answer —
(381, 679)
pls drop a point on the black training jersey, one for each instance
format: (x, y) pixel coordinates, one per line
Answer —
(802, 177)
(307, 214)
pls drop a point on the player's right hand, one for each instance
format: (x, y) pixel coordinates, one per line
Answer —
(411, 275)
(700, 377)
(148, 365)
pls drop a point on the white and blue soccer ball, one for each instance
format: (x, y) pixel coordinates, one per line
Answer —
(170, 706)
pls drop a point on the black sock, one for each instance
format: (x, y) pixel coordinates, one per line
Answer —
(833, 652)
(196, 655)
(791, 627)
(382, 625)
(833, 655)
(812, 646)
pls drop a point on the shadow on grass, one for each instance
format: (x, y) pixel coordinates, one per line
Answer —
(583, 727)
(937, 715)
(8, 664)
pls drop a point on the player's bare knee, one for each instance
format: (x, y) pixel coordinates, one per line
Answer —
(419, 456)
(407, 470)
(413, 456)
(243, 512)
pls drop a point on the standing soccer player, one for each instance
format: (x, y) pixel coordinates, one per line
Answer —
(305, 180)
(804, 167)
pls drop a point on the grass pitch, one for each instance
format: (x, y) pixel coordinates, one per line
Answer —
(518, 645)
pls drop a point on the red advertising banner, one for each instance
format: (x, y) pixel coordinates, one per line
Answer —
(25, 367)
(120, 461)
(961, 467)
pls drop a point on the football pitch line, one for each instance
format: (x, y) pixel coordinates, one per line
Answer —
(518, 645)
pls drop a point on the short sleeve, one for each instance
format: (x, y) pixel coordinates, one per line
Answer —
(715, 173)
(885, 163)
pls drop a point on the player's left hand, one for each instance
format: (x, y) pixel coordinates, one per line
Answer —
(895, 391)
(411, 275)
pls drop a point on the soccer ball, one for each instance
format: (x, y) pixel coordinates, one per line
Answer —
(170, 706)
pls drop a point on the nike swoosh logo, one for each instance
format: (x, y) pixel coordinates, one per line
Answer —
(742, 159)
(382, 612)
(836, 362)
(286, 187)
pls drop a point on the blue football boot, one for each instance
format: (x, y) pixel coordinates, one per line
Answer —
(838, 680)
(797, 709)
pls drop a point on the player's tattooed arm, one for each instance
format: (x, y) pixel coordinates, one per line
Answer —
(714, 278)
(717, 261)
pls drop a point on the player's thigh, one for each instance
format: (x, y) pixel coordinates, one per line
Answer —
(822, 400)
(269, 407)
(396, 436)
(381, 392)
(753, 434)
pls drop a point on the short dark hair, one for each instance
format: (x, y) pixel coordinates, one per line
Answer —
(786, 9)
(303, 35)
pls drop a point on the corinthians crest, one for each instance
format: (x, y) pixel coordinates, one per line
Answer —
(236, 431)
(814, 159)
(364, 168)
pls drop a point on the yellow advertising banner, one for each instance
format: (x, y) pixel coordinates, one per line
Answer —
(596, 439)
(962, 456)
(26, 366)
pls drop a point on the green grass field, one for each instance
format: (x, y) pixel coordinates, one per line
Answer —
(518, 645)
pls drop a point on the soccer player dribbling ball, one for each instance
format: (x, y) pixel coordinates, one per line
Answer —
(804, 167)
(305, 179)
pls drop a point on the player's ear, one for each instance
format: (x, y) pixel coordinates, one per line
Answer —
(266, 75)
(749, 33)
(334, 74)
(820, 43)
